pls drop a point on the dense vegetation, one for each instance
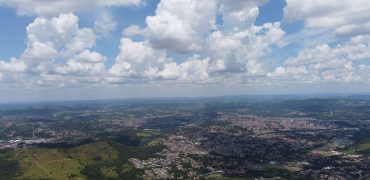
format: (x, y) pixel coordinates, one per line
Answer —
(9, 168)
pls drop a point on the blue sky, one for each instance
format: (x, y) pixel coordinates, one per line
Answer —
(13, 36)
(142, 48)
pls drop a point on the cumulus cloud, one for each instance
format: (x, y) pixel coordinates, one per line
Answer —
(105, 24)
(324, 58)
(192, 42)
(14, 66)
(192, 70)
(179, 25)
(183, 43)
(57, 53)
(189, 28)
(137, 60)
(53, 39)
(240, 51)
(132, 30)
(343, 63)
(232, 50)
(239, 14)
(58, 34)
(345, 17)
(86, 63)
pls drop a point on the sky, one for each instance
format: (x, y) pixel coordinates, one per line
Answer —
(69, 50)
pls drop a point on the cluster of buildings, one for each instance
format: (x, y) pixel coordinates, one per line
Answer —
(340, 167)
(18, 143)
(174, 161)
(248, 144)
(232, 145)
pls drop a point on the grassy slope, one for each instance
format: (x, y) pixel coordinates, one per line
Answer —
(47, 163)
(64, 163)
(363, 147)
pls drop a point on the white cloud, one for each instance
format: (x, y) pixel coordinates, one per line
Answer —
(325, 63)
(240, 51)
(122, 2)
(286, 74)
(57, 53)
(59, 34)
(90, 57)
(86, 63)
(132, 30)
(84, 39)
(180, 24)
(188, 27)
(345, 17)
(191, 71)
(14, 66)
(137, 60)
(239, 14)
(105, 24)
(52, 39)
